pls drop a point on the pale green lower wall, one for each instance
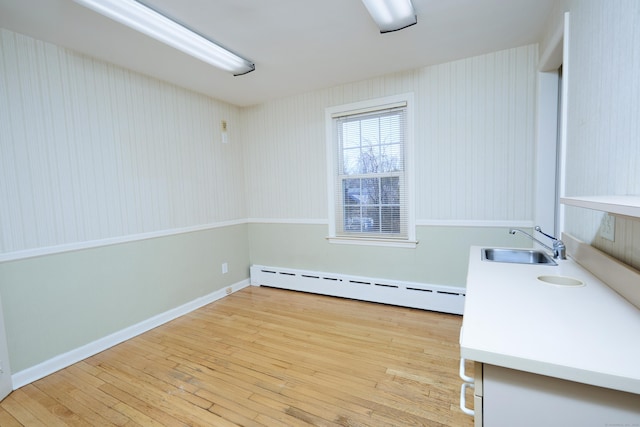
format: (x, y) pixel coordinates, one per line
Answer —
(56, 303)
(440, 258)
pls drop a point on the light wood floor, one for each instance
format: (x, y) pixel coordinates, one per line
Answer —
(263, 357)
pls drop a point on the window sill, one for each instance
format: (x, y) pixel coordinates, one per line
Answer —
(363, 241)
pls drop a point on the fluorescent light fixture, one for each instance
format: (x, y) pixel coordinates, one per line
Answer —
(391, 15)
(147, 21)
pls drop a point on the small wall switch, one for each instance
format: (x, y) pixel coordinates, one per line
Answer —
(225, 268)
(223, 130)
(608, 227)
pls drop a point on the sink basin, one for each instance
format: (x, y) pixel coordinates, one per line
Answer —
(517, 256)
(561, 280)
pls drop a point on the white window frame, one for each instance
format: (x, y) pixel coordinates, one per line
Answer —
(409, 174)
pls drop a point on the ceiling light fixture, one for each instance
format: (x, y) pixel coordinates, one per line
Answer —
(391, 15)
(145, 20)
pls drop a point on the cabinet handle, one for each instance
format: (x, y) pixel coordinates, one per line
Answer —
(464, 376)
(463, 399)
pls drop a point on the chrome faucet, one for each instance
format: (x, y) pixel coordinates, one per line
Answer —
(559, 250)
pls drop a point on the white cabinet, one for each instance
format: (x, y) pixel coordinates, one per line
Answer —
(515, 398)
(551, 356)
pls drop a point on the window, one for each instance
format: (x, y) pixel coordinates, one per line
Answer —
(369, 148)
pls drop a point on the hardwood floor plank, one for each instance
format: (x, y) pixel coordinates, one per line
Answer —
(76, 414)
(171, 401)
(7, 420)
(44, 407)
(87, 391)
(263, 357)
(136, 407)
(265, 382)
(228, 386)
(138, 417)
(23, 410)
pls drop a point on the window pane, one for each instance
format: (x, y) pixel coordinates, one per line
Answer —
(391, 158)
(367, 159)
(353, 219)
(390, 188)
(351, 161)
(358, 220)
(390, 129)
(351, 191)
(361, 191)
(350, 134)
(371, 215)
(380, 140)
(390, 219)
(370, 191)
(370, 131)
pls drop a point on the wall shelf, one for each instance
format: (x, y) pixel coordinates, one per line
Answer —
(621, 205)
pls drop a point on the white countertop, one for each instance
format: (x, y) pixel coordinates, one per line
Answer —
(588, 334)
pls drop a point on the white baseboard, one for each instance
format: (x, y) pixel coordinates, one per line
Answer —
(64, 360)
(445, 299)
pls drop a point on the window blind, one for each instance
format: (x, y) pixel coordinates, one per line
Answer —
(370, 183)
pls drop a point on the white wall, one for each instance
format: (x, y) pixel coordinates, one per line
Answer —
(603, 129)
(118, 201)
(90, 151)
(475, 137)
(474, 133)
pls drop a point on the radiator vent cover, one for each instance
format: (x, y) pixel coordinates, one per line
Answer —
(446, 299)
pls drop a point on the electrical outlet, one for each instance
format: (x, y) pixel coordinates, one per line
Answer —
(228, 291)
(608, 227)
(225, 268)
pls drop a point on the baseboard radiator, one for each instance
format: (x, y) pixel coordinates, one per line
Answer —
(446, 299)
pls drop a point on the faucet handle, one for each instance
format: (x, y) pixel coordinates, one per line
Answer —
(539, 230)
(559, 249)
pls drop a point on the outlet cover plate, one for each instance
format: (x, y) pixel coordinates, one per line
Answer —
(608, 227)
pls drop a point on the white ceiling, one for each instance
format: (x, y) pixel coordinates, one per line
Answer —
(296, 45)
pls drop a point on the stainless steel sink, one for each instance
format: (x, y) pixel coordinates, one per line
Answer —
(517, 256)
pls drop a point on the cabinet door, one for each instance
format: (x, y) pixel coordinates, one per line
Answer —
(516, 398)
